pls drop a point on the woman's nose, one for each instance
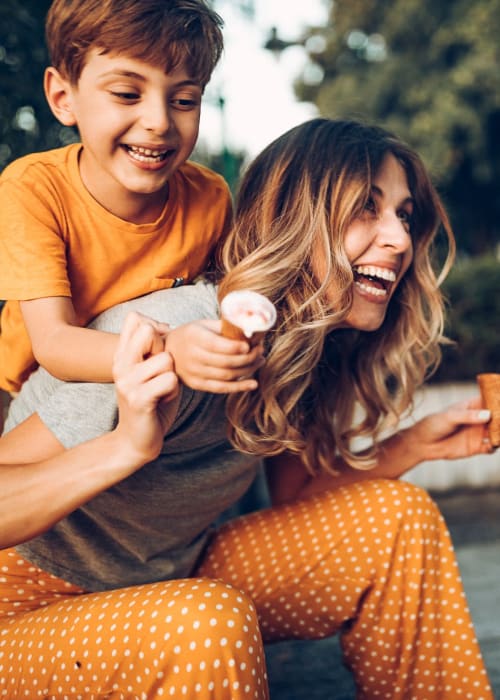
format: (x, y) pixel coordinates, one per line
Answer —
(393, 232)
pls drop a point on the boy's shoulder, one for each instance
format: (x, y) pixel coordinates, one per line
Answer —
(57, 160)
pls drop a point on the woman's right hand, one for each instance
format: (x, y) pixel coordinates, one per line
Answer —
(146, 386)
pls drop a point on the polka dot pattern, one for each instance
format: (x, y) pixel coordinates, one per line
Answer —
(373, 562)
(193, 638)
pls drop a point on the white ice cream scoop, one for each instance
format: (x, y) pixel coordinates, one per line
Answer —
(246, 315)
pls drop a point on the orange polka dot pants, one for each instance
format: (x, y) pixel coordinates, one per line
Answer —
(192, 638)
(373, 562)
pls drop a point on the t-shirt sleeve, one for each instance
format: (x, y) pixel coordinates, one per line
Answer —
(77, 412)
(32, 248)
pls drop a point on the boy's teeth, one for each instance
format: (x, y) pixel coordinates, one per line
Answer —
(146, 154)
(146, 151)
(372, 271)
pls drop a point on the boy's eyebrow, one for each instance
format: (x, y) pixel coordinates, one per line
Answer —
(122, 73)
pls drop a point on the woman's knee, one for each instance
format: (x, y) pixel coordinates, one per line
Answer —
(213, 607)
(213, 638)
(387, 497)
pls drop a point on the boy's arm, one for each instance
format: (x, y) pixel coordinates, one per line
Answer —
(204, 360)
(62, 346)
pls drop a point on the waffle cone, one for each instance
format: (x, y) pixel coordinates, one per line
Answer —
(229, 330)
(489, 385)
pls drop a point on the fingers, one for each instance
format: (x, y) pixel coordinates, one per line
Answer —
(139, 338)
(214, 386)
(205, 335)
(204, 360)
(469, 416)
(143, 372)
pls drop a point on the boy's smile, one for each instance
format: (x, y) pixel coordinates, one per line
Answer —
(137, 124)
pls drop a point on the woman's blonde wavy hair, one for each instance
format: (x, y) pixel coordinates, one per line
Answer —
(297, 197)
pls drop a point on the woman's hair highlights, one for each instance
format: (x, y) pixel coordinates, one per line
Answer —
(295, 202)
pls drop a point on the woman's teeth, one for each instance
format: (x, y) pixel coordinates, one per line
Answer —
(371, 290)
(373, 271)
(373, 280)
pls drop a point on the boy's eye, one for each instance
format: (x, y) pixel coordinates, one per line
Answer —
(123, 95)
(185, 103)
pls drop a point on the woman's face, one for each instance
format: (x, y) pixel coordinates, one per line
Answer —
(379, 246)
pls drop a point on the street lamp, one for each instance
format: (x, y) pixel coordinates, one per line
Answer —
(314, 45)
(276, 44)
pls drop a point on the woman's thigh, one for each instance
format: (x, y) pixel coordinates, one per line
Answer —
(192, 638)
(373, 560)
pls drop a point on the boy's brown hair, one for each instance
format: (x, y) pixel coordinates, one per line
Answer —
(161, 32)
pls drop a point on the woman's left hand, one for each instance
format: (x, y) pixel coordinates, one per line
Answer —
(457, 432)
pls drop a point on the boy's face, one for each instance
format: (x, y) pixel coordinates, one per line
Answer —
(137, 125)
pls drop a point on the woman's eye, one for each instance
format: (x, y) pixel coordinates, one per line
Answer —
(370, 206)
(406, 218)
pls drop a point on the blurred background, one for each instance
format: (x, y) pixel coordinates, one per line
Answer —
(430, 71)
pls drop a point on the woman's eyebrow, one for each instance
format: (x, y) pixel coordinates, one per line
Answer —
(375, 189)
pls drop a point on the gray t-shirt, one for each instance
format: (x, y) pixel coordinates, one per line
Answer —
(154, 524)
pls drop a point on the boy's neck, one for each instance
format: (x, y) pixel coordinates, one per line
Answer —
(141, 211)
(134, 207)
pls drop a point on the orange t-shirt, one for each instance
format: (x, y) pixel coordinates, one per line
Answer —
(56, 240)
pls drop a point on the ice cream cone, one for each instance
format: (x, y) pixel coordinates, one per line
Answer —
(489, 385)
(246, 315)
(229, 330)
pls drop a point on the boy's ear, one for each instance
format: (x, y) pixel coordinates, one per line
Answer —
(58, 92)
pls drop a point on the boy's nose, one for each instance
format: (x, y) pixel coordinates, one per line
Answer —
(156, 116)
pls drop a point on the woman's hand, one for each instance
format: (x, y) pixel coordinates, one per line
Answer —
(457, 432)
(146, 386)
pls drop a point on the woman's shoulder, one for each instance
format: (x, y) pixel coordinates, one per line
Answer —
(175, 306)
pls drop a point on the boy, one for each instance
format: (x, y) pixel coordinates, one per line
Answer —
(122, 213)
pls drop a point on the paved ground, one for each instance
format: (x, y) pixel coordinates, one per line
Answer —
(313, 670)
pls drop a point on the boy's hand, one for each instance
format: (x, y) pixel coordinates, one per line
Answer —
(207, 361)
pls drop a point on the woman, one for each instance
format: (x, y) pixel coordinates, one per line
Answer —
(116, 554)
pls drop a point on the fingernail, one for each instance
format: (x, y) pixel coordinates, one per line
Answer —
(484, 414)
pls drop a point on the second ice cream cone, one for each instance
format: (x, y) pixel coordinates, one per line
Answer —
(489, 385)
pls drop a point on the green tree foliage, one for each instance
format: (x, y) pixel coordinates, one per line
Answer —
(430, 72)
(26, 123)
(472, 324)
